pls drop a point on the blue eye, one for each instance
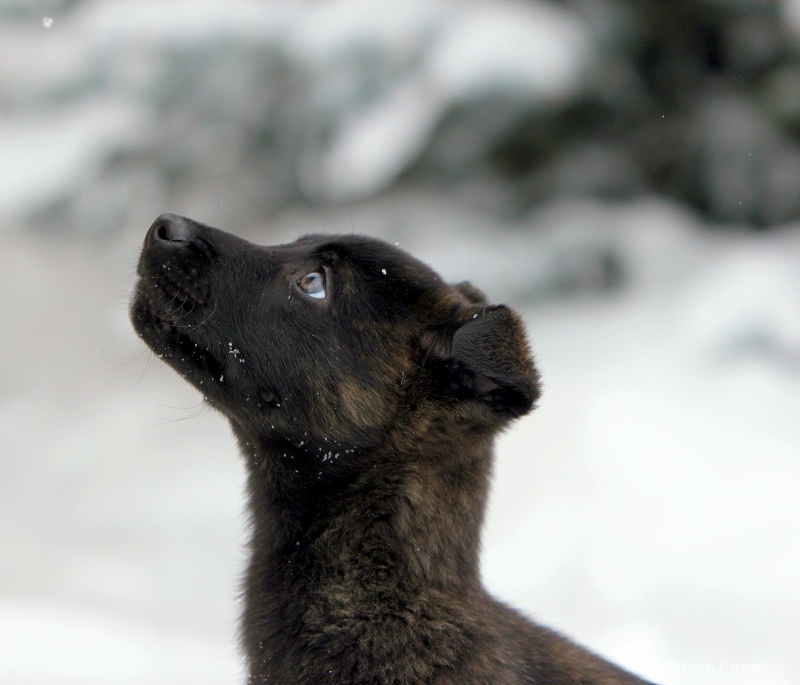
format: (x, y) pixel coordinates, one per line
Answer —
(313, 285)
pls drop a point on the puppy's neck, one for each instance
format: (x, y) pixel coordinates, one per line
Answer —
(375, 516)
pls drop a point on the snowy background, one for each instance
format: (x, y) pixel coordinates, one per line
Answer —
(625, 172)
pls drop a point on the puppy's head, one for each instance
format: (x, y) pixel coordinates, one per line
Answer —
(335, 340)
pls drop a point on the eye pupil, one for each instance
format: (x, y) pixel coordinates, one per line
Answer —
(313, 285)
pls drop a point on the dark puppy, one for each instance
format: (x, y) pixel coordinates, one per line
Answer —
(365, 394)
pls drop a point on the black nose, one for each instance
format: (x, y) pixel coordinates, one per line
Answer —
(170, 228)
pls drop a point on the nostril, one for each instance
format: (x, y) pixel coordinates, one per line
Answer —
(170, 228)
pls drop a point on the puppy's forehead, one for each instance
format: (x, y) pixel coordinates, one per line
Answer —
(370, 254)
(352, 246)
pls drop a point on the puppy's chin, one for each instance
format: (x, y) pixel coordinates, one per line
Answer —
(186, 353)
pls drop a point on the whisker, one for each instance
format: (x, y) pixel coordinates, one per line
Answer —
(196, 410)
(202, 323)
(146, 366)
(136, 356)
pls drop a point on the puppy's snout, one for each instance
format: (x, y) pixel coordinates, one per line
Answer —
(170, 229)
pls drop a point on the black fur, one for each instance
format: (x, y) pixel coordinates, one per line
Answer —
(366, 420)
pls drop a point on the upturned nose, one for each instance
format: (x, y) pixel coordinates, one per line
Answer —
(170, 228)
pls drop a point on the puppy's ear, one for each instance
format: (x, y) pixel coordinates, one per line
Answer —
(493, 362)
(485, 359)
(473, 294)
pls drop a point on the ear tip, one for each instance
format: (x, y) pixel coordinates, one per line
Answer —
(525, 397)
(471, 293)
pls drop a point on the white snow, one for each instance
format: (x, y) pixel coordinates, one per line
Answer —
(424, 58)
(49, 642)
(376, 143)
(47, 151)
(183, 22)
(531, 50)
(534, 47)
